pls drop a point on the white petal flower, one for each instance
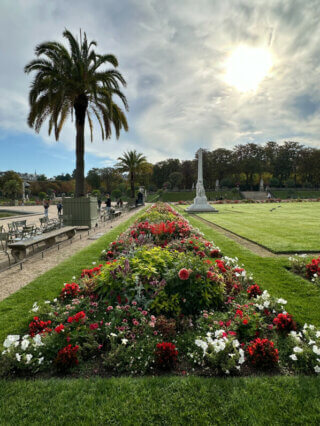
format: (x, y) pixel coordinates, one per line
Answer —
(202, 344)
(282, 301)
(317, 369)
(293, 357)
(311, 342)
(124, 341)
(235, 343)
(316, 350)
(24, 344)
(40, 360)
(11, 339)
(297, 350)
(219, 333)
(29, 358)
(241, 359)
(37, 340)
(18, 357)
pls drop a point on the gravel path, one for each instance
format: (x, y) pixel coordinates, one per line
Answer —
(13, 279)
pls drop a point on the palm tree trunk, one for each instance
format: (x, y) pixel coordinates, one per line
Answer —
(80, 106)
(132, 184)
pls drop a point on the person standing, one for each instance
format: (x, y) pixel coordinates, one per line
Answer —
(46, 207)
(59, 207)
(99, 204)
(108, 204)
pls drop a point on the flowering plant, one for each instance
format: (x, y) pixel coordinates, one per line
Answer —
(166, 355)
(67, 357)
(261, 353)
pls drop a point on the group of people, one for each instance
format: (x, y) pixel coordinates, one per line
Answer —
(108, 203)
(46, 205)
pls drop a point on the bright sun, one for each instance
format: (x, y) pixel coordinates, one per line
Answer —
(247, 67)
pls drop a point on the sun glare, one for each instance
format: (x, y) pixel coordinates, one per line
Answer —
(247, 67)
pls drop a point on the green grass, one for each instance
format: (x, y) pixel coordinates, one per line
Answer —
(289, 227)
(190, 195)
(162, 401)
(7, 214)
(14, 310)
(296, 193)
(270, 272)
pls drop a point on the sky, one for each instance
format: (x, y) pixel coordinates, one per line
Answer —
(205, 73)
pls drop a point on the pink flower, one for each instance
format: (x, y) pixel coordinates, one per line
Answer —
(109, 308)
(155, 333)
(153, 318)
(134, 303)
(151, 324)
(205, 315)
(94, 326)
(135, 322)
(183, 274)
(144, 313)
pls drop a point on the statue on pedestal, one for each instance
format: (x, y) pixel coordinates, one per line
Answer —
(200, 203)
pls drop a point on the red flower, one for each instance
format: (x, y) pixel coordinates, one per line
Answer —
(254, 291)
(70, 290)
(59, 328)
(284, 322)
(77, 317)
(261, 353)
(37, 326)
(94, 326)
(67, 357)
(166, 355)
(184, 274)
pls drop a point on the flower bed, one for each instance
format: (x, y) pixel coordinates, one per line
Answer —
(307, 269)
(163, 298)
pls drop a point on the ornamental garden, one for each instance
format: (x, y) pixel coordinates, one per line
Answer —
(164, 299)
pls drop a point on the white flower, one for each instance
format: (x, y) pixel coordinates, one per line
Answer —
(241, 359)
(113, 335)
(311, 342)
(235, 343)
(35, 307)
(55, 300)
(293, 357)
(219, 333)
(266, 304)
(282, 301)
(265, 295)
(318, 334)
(37, 340)
(24, 344)
(316, 350)
(202, 344)
(12, 339)
(93, 263)
(297, 350)
(219, 345)
(18, 356)
(29, 358)
(40, 360)
(47, 302)
(124, 341)
(317, 369)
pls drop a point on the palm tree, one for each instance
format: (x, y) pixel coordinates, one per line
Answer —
(131, 162)
(67, 81)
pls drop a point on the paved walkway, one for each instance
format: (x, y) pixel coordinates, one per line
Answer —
(13, 279)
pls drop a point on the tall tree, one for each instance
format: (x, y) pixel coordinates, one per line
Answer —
(131, 162)
(71, 80)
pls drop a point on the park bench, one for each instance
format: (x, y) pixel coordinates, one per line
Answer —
(19, 249)
(47, 225)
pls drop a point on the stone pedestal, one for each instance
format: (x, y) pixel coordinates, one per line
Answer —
(81, 211)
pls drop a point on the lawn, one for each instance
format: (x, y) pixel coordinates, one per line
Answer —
(287, 227)
(190, 195)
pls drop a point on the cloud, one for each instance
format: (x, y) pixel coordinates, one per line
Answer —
(173, 55)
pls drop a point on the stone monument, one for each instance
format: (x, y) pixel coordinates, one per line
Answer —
(261, 185)
(200, 203)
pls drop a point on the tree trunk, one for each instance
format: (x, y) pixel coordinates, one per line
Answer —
(80, 106)
(132, 184)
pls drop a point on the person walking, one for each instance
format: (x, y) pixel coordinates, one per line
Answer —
(46, 207)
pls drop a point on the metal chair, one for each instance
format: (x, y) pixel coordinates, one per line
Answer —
(5, 238)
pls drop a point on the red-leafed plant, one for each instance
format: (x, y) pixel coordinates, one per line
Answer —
(166, 355)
